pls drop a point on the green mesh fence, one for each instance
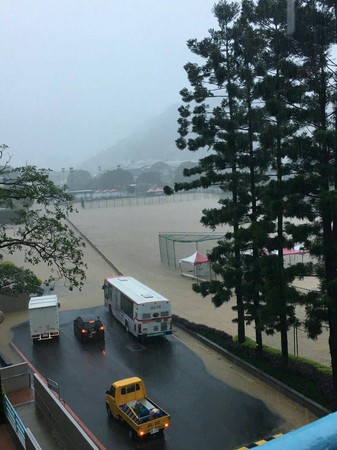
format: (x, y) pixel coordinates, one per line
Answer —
(176, 246)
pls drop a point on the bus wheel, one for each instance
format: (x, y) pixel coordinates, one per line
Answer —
(126, 326)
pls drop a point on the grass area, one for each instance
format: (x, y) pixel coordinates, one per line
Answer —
(310, 378)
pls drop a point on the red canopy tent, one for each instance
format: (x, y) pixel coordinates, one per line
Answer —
(296, 250)
(195, 261)
(196, 258)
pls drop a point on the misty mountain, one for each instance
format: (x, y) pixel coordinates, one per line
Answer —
(153, 142)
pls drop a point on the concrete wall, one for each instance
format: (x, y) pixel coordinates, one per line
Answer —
(15, 377)
(11, 303)
(30, 441)
(66, 428)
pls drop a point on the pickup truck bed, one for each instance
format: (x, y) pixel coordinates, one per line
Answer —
(142, 411)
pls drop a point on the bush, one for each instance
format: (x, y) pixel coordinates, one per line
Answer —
(309, 378)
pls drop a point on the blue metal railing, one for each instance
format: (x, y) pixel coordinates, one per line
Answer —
(15, 420)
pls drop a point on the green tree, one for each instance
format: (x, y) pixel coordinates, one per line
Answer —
(117, 178)
(278, 87)
(79, 179)
(179, 176)
(247, 79)
(41, 232)
(150, 177)
(17, 280)
(315, 161)
(216, 125)
(253, 59)
(248, 47)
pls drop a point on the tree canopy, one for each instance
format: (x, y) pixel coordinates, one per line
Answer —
(79, 179)
(262, 100)
(179, 176)
(150, 177)
(38, 229)
(17, 280)
(117, 178)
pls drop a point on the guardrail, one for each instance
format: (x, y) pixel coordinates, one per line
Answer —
(15, 377)
(15, 420)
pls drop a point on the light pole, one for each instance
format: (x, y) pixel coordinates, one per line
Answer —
(63, 176)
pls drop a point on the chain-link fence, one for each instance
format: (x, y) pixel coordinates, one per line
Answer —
(175, 247)
(120, 201)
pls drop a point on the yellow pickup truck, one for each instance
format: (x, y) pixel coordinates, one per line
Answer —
(126, 400)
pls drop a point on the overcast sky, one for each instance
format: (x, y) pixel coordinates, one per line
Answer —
(78, 75)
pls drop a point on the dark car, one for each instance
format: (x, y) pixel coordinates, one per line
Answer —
(88, 329)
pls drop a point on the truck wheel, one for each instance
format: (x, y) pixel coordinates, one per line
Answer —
(108, 410)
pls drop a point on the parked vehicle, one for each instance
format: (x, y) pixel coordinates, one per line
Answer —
(44, 317)
(126, 400)
(143, 311)
(88, 329)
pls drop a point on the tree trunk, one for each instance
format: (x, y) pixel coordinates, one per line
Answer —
(238, 291)
(333, 343)
(258, 336)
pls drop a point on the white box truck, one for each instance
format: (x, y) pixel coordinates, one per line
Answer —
(44, 317)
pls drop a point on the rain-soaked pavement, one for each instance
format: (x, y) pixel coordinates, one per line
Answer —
(205, 412)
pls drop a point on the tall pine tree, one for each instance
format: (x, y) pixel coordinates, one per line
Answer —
(216, 125)
(314, 159)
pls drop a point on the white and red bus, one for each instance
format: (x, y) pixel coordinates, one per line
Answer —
(141, 310)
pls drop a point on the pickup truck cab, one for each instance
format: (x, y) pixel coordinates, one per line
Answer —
(126, 400)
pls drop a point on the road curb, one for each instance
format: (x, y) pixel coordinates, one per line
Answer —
(97, 250)
(312, 406)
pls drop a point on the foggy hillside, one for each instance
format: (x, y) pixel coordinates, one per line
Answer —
(154, 142)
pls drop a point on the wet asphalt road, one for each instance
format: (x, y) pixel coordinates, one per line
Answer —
(205, 413)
